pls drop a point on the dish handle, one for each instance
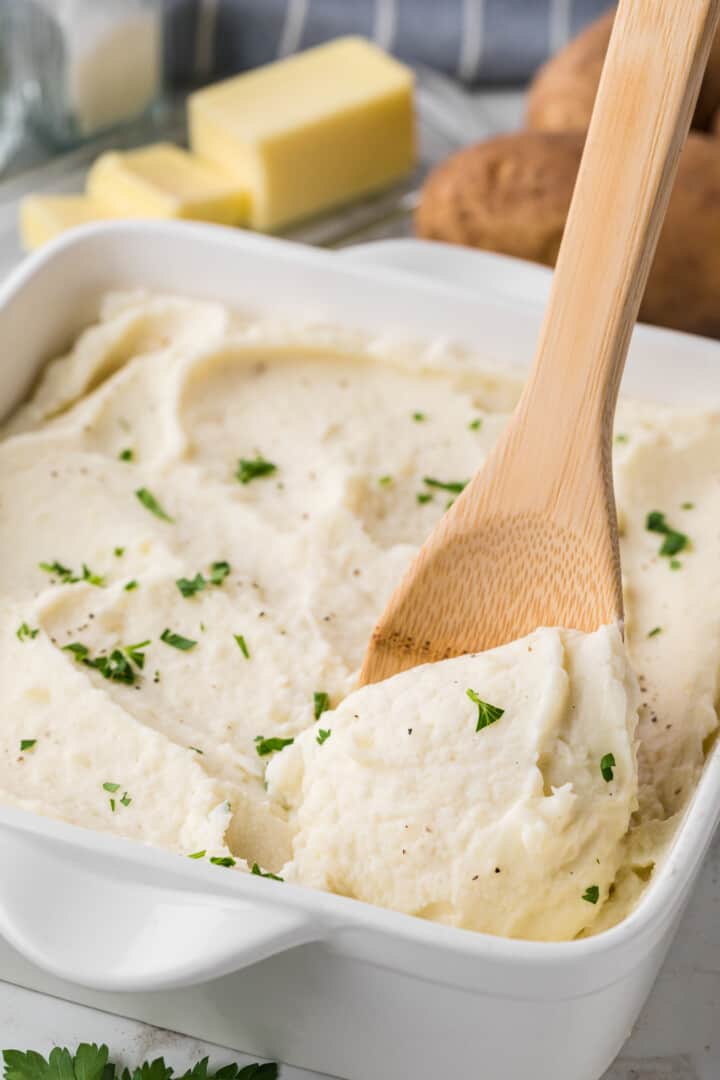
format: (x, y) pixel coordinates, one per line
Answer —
(119, 924)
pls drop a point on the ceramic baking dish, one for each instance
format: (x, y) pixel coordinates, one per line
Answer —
(281, 971)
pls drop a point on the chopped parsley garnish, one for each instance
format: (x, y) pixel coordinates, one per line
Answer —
(385, 481)
(112, 805)
(177, 641)
(189, 586)
(126, 455)
(607, 764)
(321, 703)
(253, 468)
(112, 788)
(131, 585)
(150, 503)
(242, 645)
(218, 572)
(198, 855)
(119, 552)
(655, 631)
(424, 497)
(687, 506)
(673, 541)
(116, 666)
(621, 438)
(476, 424)
(67, 577)
(27, 744)
(126, 800)
(270, 746)
(418, 417)
(25, 633)
(133, 652)
(487, 714)
(91, 1062)
(222, 860)
(592, 894)
(323, 735)
(76, 647)
(264, 873)
(675, 564)
(455, 487)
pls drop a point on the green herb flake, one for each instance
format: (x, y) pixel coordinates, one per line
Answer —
(418, 417)
(673, 541)
(242, 645)
(218, 572)
(190, 586)
(150, 503)
(321, 703)
(323, 735)
(592, 894)
(112, 805)
(249, 469)
(126, 800)
(475, 424)
(196, 749)
(621, 438)
(131, 585)
(177, 641)
(264, 873)
(687, 506)
(118, 552)
(25, 633)
(655, 631)
(126, 455)
(63, 573)
(115, 667)
(79, 650)
(112, 788)
(198, 855)
(265, 746)
(424, 497)
(135, 653)
(675, 564)
(27, 744)
(222, 860)
(607, 764)
(487, 714)
(385, 481)
(455, 487)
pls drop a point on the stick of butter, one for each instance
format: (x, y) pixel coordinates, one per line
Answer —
(43, 217)
(164, 181)
(310, 132)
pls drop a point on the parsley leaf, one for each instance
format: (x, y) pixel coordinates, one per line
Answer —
(475, 424)
(455, 487)
(90, 1062)
(126, 455)
(198, 854)
(385, 481)
(189, 586)
(323, 735)
(24, 633)
(76, 647)
(112, 788)
(321, 702)
(218, 572)
(252, 468)
(177, 641)
(118, 552)
(607, 764)
(424, 497)
(418, 417)
(269, 746)
(592, 894)
(242, 645)
(222, 860)
(655, 631)
(264, 873)
(487, 714)
(150, 503)
(687, 506)
(27, 744)
(131, 585)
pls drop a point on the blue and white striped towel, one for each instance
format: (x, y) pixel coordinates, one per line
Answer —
(475, 40)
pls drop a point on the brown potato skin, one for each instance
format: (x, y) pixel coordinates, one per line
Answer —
(511, 194)
(562, 94)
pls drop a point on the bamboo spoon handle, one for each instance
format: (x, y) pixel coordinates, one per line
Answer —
(650, 82)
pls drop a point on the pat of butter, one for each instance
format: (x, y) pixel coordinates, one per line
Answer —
(310, 132)
(164, 181)
(43, 217)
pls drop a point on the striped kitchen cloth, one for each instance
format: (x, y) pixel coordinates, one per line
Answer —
(474, 40)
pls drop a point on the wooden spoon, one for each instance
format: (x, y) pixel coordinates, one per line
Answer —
(532, 541)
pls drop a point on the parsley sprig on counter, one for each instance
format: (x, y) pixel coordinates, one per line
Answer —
(91, 1062)
(487, 714)
(249, 469)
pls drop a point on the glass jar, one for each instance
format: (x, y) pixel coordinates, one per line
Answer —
(90, 65)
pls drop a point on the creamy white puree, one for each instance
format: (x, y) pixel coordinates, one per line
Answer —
(314, 549)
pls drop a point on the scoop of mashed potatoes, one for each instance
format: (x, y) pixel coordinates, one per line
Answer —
(489, 791)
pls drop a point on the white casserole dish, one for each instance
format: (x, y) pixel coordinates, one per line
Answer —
(317, 980)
